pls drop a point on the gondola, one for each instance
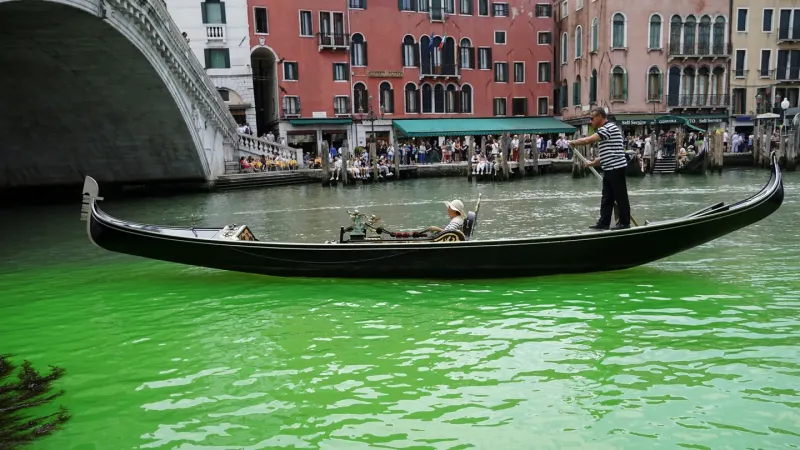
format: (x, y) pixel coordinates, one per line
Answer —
(410, 255)
(696, 166)
(635, 165)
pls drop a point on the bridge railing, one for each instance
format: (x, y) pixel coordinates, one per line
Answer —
(259, 146)
(166, 36)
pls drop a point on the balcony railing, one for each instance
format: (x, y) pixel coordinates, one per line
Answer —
(698, 101)
(216, 32)
(333, 40)
(788, 34)
(791, 73)
(740, 73)
(342, 109)
(291, 111)
(766, 73)
(701, 50)
(443, 70)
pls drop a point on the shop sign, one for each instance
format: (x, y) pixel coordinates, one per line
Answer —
(385, 74)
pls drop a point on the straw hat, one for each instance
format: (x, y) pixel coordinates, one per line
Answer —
(457, 206)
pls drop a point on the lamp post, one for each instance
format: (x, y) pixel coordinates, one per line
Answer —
(784, 107)
(371, 116)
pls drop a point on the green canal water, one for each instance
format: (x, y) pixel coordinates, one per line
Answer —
(698, 350)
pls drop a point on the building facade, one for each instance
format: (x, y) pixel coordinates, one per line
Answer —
(766, 58)
(643, 60)
(320, 66)
(215, 31)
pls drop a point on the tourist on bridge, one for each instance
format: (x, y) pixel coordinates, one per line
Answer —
(612, 160)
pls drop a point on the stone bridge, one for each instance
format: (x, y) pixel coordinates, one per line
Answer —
(107, 88)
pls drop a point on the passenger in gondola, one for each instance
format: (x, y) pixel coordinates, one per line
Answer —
(456, 213)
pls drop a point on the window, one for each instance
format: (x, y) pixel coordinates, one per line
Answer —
(466, 56)
(213, 11)
(788, 67)
(306, 27)
(465, 7)
(519, 106)
(341, 105)
(618, 31)
(340, 72)
(225, 94)
(358, 51)
(578, 42)
(740, 62)
(412, 99)
(655, 84)
(544, 72)
(483, 7)
(545, 38)
(619, 84)
(655, 32)
(360, 98)
(766, 56)
(718, 47)
(789, 25)
(766, 20)
(501, 72)
(576, 92)
(357, 4)
(423, 6)
(500, 37)
(451, 99)
(741, 19)
(704, 36)
(437, 10)
(410, 55)
(519, 72)
(260, 20)
(387, 97)
(427, 98)
(500, 9)
(484, 58)
(217, 58)
(578, 4)
(449, 6)
(739, 100)
(290, 71)
(499, 107)
(438, 99)
(543, 10)
(466, 99)
(564, 8)
(595, 34)
(291, 105)
(407, 5)
(562, 94)
(542, 106)
(564, 50)
(593, 88)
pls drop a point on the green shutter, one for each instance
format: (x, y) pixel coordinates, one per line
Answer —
(203, 11)
(400, 5)
(660, 85)
(222, 11)
(207, 54)
(625, 86)
(365, 51)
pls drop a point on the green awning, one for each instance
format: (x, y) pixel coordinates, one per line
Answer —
(472, 126)
(666, 119)
(321, 121)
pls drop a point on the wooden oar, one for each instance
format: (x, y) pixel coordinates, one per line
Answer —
(599, 177)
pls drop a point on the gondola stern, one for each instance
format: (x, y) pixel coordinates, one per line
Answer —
(91, 194)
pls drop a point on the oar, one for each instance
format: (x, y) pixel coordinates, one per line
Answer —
(585, 161)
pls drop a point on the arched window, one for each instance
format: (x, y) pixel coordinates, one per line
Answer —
(562, 95)
(410, 55)
(595, 33)
(655, 84)
(564, 44)
(689, 28)
(619, 84)
(412, 99)
(358, 50)
(387, 97)
(436, 55)
(448, 56)
(593, 88)
(719, 36)
(425, 55)
(578, 42)
(704, 36)
(466, 54)
(438, 99)
(673, 96)
(718, 87)
(576, 92)
(451, 99)
(361, 96)
(689, 76)
(466, 99)
(703, 86)
(427, 99)
(655, 32)
(675, 31)
(618, 31)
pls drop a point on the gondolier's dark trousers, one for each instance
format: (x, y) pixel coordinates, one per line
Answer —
(615, 190)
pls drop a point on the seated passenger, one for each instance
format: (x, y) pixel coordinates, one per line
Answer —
(455, 210)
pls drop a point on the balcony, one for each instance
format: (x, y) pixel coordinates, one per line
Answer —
(291, 111)
(440, 71)
(687, 101)
(768, 74)
(216, 32)
(333, 41)
(740, 73)
(701, 50)
(788, 34)
(789, 74)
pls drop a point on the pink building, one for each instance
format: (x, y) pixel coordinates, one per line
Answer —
(642, 60)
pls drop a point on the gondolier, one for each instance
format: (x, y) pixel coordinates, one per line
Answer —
(613, 162)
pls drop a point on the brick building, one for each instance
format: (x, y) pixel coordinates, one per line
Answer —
(319, 66)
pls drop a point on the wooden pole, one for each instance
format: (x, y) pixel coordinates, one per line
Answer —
(470, 154)
(324, 155)
(505, 142)
(345, 160)
(521, 156)
(655, 145)
(578, 170)
(373, 158)
(535, 154)
(396, 158)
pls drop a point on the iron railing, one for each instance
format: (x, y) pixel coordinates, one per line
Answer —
(702, 49)
(442, 70)
(740, 73)
(788, 34)
(333, 40)
(791, 73)
(698, 101)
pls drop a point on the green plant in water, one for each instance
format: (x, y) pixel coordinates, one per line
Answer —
(29, 390)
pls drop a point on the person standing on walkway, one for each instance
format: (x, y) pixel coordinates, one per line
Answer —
(613, 162)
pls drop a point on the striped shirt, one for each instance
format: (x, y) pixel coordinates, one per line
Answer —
(456, 224)
(612, 152)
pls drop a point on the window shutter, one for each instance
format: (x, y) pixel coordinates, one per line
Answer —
(391, 101)
(298, 104)
(611, 87)
(352, 52)
(417, 94)
(222, 11)
(207, 54)
(416, 55)
(365, 51)
(491, 8)
(227, 59)
(365, 100)
(400, 5)
(334, 71)
(625, 86)
(472, 57)
(660, 85)
(203, 11)
(490, 57)
(403, 54)
(496, 72)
